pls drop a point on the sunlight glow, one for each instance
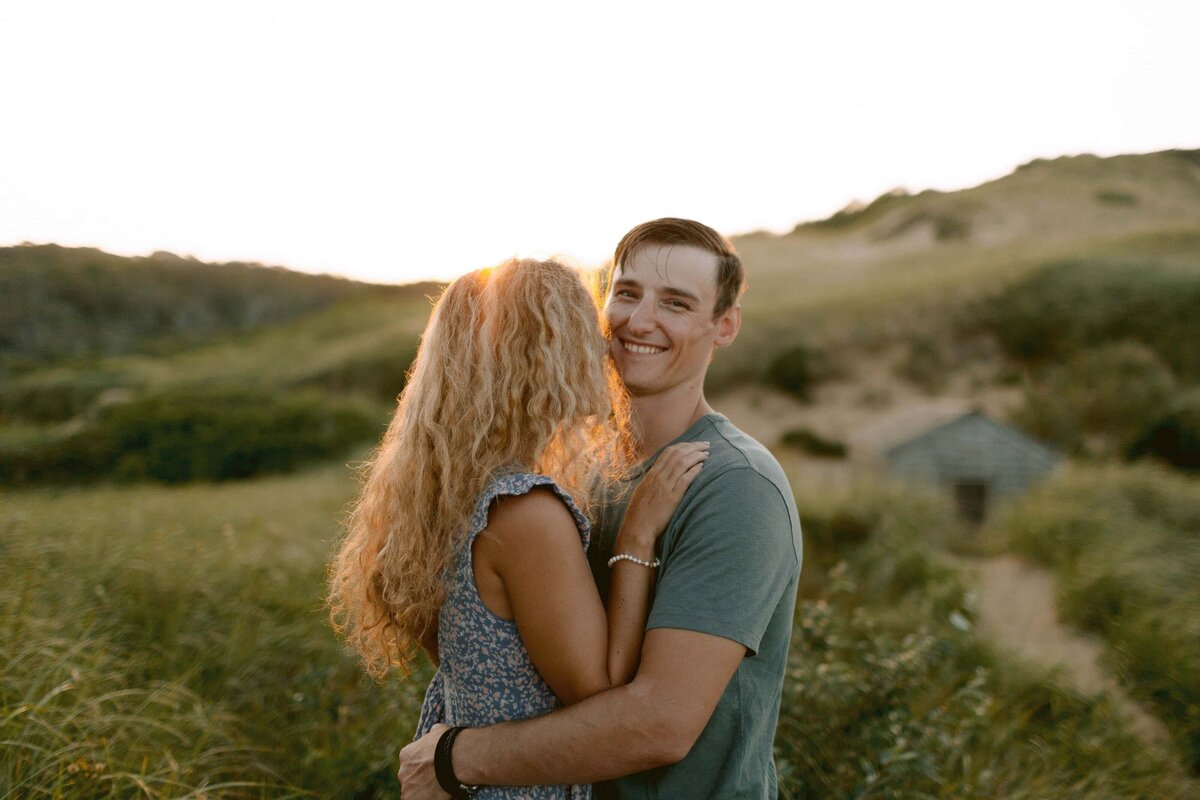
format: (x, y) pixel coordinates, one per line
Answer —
(395, 142)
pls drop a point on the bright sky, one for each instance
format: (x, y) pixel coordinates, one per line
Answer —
(394, 141)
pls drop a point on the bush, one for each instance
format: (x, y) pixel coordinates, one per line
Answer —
(379, 375)
(926, 364)
(1067, 307)
(1099, 400)
(1113, 197)
(814, 443)
(1175, 438)
(202, 434)
(53, 397)
(793, 371)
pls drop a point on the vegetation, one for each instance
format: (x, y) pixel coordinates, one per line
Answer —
(237, 404)
(1115, 197)
(170, 642)
(890, 694)
(1125, 542)
(188, 435)
(1175, 438)
(80, 301)
(794, 371)
(1100, 400)
(857, 215)
(1067, 307)
(813, 443)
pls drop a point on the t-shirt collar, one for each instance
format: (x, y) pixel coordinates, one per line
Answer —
(691, 434)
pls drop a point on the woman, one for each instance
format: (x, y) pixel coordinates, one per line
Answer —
(511, 418)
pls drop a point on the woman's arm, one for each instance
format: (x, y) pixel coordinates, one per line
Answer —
(631, 586)
(530, 567)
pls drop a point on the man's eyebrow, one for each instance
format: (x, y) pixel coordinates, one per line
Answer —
(684, 293)
(671, 290)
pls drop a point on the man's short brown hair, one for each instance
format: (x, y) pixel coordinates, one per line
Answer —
(731, 278)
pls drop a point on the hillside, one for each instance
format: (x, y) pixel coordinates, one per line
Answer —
(914, 264)
(912, 295)
(62, 302)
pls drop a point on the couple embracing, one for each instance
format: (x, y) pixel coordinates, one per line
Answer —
(603, 568)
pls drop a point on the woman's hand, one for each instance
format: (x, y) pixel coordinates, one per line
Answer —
(656, 497)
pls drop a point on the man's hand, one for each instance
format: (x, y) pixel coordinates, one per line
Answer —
(417, 778)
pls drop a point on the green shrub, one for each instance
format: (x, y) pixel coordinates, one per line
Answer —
(53, 397)
(202, 434)
(926, 365)
(1175, 438)
(1113, 197)
(1099, 400)
(813, 443)
(793, 371)
(1067, 307)
(380, 375)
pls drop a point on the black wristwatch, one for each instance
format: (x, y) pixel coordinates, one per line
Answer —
(443, 767)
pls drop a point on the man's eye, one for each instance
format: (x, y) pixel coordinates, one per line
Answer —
(678, 304)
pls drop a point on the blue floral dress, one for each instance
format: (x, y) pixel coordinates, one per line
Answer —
(486, 675)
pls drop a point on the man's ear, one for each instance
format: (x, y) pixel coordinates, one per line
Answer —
(728, 325)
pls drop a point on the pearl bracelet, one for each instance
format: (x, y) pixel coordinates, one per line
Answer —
(641, 562)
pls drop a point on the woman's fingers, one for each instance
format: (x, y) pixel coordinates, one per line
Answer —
(677, 460)
(659, 493)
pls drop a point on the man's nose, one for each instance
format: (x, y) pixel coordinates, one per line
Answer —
(642, 318)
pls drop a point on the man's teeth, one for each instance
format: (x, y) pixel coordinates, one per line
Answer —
(645, 350)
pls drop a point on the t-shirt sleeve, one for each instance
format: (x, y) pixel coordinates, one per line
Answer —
(731, 560)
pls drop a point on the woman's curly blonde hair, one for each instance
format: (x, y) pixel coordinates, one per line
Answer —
(512, 373)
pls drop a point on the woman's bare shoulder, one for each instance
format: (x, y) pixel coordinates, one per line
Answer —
(529, 517)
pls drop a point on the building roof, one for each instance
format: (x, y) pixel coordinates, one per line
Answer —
(905, 424)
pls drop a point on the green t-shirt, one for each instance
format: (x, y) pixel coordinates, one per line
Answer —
(731, 559)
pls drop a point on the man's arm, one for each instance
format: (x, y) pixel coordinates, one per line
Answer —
(652, 721)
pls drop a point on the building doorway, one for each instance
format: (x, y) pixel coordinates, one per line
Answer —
(971, 498)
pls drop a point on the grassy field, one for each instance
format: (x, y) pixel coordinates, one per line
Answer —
(171, 642)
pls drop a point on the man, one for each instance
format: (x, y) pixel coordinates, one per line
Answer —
(698, 720)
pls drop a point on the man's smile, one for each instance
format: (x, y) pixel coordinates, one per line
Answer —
(641, 349)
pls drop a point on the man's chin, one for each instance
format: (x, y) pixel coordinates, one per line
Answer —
(640, 389)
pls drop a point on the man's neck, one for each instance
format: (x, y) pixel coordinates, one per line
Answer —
(660, 419)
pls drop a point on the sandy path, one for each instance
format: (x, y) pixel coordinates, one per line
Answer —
(1016, 610)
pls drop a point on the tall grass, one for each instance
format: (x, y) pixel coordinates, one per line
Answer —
(1125, 542)
(172, 643)
(890, 693)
